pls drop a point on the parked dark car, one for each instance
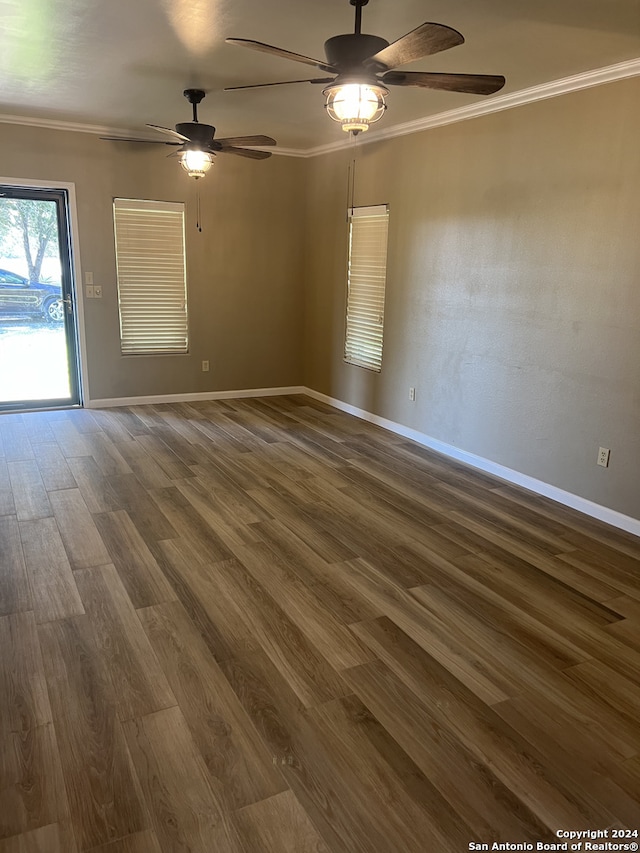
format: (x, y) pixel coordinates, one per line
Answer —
(20, 297)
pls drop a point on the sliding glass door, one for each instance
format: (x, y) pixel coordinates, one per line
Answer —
(38, 335)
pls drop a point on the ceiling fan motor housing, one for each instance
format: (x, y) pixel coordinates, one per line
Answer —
(199, 134)
(350, 51)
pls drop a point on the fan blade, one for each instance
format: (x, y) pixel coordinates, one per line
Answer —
(134, 139)
(473, 84)
(423, 41)
(324, 80)
(230, 141)
(246, 152)
(168, 130)
(285, 54)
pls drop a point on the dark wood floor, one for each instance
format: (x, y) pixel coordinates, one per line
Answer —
(265, 626)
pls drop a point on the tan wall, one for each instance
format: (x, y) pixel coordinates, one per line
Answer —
(244, 269)
(513, 295)
(514, 279)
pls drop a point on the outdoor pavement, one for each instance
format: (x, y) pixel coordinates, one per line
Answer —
(33, 361)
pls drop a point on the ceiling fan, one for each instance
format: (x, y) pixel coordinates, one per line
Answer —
(196, 143)
(363, 67)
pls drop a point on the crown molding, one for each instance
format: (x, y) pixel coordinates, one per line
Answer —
(104, 130)
(59, 124)
(585, 80)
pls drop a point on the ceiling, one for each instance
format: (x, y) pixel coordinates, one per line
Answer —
(123, 63)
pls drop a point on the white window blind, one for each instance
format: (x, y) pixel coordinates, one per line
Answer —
(367, 276)
(152, 287)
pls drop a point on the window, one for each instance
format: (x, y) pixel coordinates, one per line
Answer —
(367, 275)
(7, 277)
(152, 287)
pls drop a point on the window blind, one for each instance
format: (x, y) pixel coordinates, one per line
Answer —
(152, 287)
(366, 281)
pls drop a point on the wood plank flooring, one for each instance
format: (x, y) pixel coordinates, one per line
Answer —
(264, 626)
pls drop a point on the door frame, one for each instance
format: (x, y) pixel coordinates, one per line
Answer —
(76, 271)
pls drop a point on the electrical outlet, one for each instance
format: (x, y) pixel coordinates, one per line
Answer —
(205, 366)
(89, 291)
(97, 291)
(412, 394)
(603, 456)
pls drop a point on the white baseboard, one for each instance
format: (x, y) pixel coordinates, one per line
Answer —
(110, 402)
(603, 513)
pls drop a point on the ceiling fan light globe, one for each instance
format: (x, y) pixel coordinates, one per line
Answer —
(354, 105)
(196, 162)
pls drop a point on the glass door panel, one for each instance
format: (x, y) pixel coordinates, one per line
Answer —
(38, 336)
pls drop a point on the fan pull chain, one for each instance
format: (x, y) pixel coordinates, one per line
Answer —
(198, 211)
(351, 176)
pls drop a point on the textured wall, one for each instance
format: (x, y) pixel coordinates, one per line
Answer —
(513, 294)
(244, 269)
(513, 299)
